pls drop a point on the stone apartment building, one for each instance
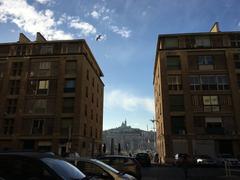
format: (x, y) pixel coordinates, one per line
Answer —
(197, 93)
(51, 96)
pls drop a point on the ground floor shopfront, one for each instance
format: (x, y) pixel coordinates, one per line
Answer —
(212, 146)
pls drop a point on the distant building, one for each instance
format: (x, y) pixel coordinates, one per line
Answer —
(51, 96)
(131, 140)
(197, 93)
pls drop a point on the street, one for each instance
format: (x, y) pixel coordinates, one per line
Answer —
(176, 173)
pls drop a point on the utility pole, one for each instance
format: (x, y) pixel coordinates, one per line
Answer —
(154, 131)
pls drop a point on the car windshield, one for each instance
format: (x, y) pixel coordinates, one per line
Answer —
(103, 165)
(64, 169)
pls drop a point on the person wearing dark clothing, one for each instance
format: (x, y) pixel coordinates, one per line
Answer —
(185, 166)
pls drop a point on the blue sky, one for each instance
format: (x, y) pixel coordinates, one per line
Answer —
(127, 48)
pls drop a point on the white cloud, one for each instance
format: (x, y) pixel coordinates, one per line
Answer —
(44, 1)
(27, 18)
(85, 27)
(128, 102)
(95, 14)
(124, 32)
(105, 18)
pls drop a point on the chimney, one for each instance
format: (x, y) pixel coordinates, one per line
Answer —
(215, 28)
(40, 38)
(23, 38)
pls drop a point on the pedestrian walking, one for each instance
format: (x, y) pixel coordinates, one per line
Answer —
(156, 158)
(185, 165)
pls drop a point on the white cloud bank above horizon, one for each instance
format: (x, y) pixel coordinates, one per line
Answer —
(127, 101)
(27, 18)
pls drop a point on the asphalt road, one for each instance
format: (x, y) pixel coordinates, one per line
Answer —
(175, 173)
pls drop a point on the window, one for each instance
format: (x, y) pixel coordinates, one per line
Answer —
(96, 133)
(202, 42)
(173, 63)
(199, 121)
(194, 82)
(208, 82)
(83, 144)
(174, 82)
(68, 105)
(93, 82)
(16, 68)
(211, 104)
(69, 85)
(8, 126)
(238, 80)
(40, 106)
(214, 125)
(205, 62)
(222, 82)
(235, 41)
(37, 126)
(46, 49)
(14, 87)
(12, 106)
(71, 68)
(87, 74)
(85, 110)
(96, 118)
(178, 125)
(91, 132)
(171, 43)
(86, 92)
(91, 114)
(176, 102)
(97, 88)
(73, 48)
(66, 126)
(43, 86)
(93, 170)
(44, 65)
(92, 98)
(85, 130)
(236, 58)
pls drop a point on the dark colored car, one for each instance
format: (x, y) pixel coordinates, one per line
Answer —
(182, 159)
(96, 169)
(36, 166)
(143, 159)
(125, 164)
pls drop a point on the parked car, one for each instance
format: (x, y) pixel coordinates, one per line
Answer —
(182, 158)
(143, 159)
(125, 164)
(36, 166)
(204, 160)
(95, 169)
(227, 158)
